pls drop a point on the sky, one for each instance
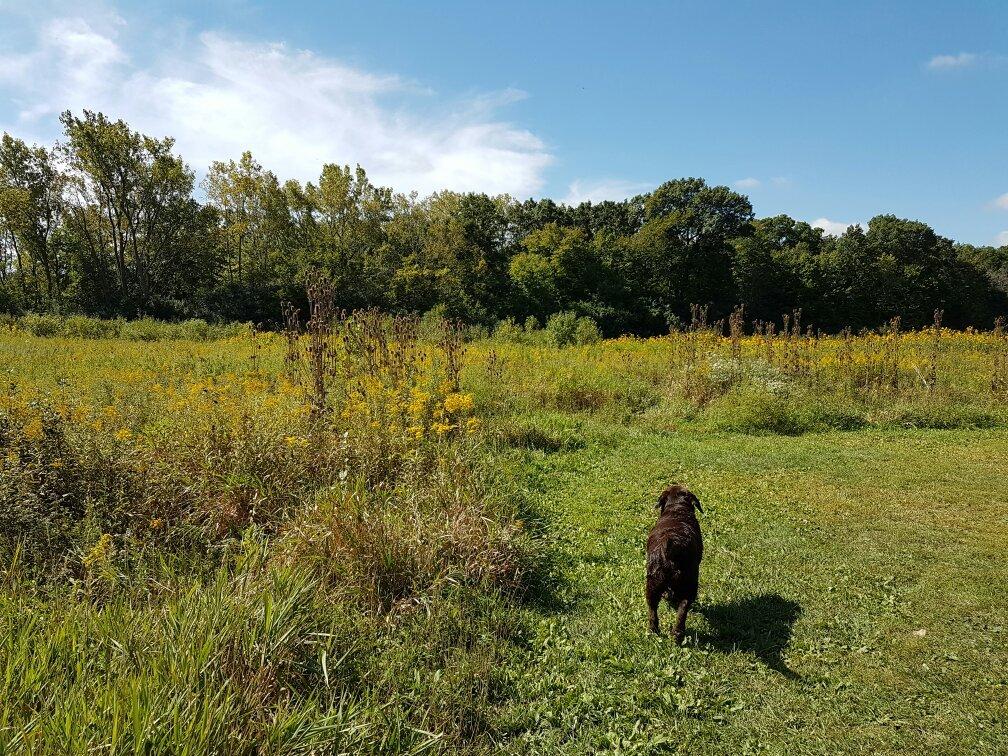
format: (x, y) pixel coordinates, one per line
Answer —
(831, 112)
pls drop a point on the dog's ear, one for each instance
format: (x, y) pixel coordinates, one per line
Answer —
(660, 506)
(696, 502)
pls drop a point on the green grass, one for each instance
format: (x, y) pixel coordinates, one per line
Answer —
(486, 595)
(853, 597)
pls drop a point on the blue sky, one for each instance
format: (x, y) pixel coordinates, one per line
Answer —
(830, 112)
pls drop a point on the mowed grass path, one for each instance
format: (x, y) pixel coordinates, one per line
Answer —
(854, 597)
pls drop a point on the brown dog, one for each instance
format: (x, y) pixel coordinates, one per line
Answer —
(674, 550)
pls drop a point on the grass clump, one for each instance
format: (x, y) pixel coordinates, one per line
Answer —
(545, 433)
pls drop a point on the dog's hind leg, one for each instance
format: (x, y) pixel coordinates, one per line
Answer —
(654, 597)
(680, 624)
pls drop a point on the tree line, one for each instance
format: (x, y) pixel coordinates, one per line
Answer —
(111, 222)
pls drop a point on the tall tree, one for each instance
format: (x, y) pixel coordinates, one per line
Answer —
(131, 198)
(32, 205)
(682, 251)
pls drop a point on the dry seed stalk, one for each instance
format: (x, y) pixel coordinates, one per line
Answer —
(932, 377)
(736, 330)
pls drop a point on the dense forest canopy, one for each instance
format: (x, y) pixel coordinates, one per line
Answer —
(107, 222)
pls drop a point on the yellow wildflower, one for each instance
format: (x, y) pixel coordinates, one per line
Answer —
(454, 403)
(418, 402)
(441, 428)
(33, 429)
(100, 552)
(123, 434)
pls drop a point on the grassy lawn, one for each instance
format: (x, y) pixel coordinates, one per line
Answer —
(853, 597)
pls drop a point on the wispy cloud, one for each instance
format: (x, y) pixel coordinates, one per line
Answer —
(831, 227)
(1001, 239)
(751, 182)
(964, 60)
(603, 189)
(948, 62)
(1000, 202)
(294, 109)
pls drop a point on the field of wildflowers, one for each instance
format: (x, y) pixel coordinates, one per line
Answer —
(327, 539)
(786, 382)
(224, 505)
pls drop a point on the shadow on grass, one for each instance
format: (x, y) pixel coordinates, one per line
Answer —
(759, 625)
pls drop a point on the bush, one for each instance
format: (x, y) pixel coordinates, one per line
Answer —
(566, 328)
(195, 329)
(81, 327)
(509, 330)
(942, 417)
(562, 327)
(40, 325)
(586, 331)
(144, 329)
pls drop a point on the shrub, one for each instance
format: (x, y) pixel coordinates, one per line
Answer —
(81, 327)
(941, 417)
(194, 329)
(586, 331)
(508, 330)
(40, 325)
(144, 329)
(562, 327)
(566, 328)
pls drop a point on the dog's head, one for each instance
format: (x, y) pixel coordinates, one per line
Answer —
(677, 497)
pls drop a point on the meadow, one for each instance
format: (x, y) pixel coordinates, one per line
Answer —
(394, 536)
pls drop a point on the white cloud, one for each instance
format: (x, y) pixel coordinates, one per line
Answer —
(604, 189)
(832, 228)
(949, 62)
(1001, 239)
(294, 109)
(966, 60)
(751, 182)
(1001, 202)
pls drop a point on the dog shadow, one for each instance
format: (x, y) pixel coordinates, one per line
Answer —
(759, 625)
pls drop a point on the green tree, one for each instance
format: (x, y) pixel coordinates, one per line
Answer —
(682, 252)
(348, 234)
(130, 201)
(32, 206)
(534, 283)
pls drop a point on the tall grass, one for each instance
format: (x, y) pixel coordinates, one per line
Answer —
(214, 548)
(785, 381)
(143, 329)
